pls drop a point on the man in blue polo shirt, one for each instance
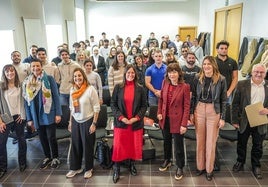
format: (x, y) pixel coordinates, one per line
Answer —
(154, 77)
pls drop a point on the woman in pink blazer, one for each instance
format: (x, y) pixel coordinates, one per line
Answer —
(173, 114)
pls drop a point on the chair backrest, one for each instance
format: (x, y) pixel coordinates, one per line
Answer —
(153, 113)
(103, 117)
(106, 95)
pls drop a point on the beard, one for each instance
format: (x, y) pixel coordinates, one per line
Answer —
(191, 62)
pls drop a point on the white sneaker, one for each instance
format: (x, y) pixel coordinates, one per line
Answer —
(72, 173)
(88, 174)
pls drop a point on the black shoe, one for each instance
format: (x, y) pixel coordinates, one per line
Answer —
(45, 163)
(239, 166)
(2, 173)
(179, 174)
(200, 172)
(209, 176)
(22, 167)
(165, 165)
(133, 170)
(257, 173)
(116, 175)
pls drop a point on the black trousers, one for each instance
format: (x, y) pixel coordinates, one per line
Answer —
(19, 130)
(256, 150)
(82, 145)
(47, 136)
(178, 145)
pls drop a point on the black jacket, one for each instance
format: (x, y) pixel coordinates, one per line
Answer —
(119, 108)
(219, 95)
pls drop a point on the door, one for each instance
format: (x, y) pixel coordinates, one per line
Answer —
(189, 30)
(227, 27)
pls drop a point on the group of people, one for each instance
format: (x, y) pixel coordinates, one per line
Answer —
(186, 91)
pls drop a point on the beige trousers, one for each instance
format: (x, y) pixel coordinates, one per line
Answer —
(207, 130)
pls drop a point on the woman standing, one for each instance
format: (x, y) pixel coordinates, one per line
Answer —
(12, 116)
(85, 109)
(43, 110)
(110, 59)
(116, 70)
(129, 105)
(93, 78)
(141, 68)
(81, 57)
(208, 113)
(173, 114)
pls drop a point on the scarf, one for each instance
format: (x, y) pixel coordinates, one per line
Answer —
(76, 95)
(31, 87)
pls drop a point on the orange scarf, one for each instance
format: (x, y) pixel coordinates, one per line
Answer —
(76, 95)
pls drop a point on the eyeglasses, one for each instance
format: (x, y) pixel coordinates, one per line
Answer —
(184, 51)
(259, 72)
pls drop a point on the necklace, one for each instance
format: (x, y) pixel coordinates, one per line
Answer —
(203, 91)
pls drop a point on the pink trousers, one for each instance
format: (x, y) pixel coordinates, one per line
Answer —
(207, 130)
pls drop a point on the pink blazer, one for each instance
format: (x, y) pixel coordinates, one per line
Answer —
(179, 109)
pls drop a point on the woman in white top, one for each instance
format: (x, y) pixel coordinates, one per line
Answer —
(85, 107)
(93, 78)
(12, 116)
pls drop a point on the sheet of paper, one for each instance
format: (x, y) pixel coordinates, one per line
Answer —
(254, 118)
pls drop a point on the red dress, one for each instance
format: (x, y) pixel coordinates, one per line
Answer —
(127, 142)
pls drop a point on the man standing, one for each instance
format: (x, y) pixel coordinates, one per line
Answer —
(178, 44)
(66, 69)
(152, 39)
(154, 77)
(49, 67)
(23, 69)
(105, 49)
(227, 67)
(198, 51)
(249, 92)
(32, 55)
(99, 64)
(190, 69)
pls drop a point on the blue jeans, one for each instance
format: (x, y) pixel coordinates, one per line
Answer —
(153, 101)
(65, 99)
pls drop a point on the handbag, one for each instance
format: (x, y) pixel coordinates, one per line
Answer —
(148, 121)
(6, 118)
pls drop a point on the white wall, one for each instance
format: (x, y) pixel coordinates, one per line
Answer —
(132, 18)
(254, 16)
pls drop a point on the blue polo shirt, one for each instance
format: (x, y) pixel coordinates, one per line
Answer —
(157, 76)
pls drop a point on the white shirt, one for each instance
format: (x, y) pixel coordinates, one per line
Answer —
(88, 103)
(257, 92)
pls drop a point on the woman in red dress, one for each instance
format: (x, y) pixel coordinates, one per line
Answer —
(129, 105)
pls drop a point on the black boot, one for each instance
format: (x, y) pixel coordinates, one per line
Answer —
(116, 174)
(132, 168)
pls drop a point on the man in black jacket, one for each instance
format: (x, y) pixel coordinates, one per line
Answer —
(249, 92)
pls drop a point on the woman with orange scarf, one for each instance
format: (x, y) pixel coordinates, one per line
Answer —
(85, 107)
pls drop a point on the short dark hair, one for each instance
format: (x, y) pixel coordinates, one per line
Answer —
(41, 49)
(64, 50)
(91, 37)
(222, 42)
(76, 44)
(103, 33)
(35, 46)
(37, 60)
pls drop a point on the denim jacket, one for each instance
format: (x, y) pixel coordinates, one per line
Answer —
(219, 95)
